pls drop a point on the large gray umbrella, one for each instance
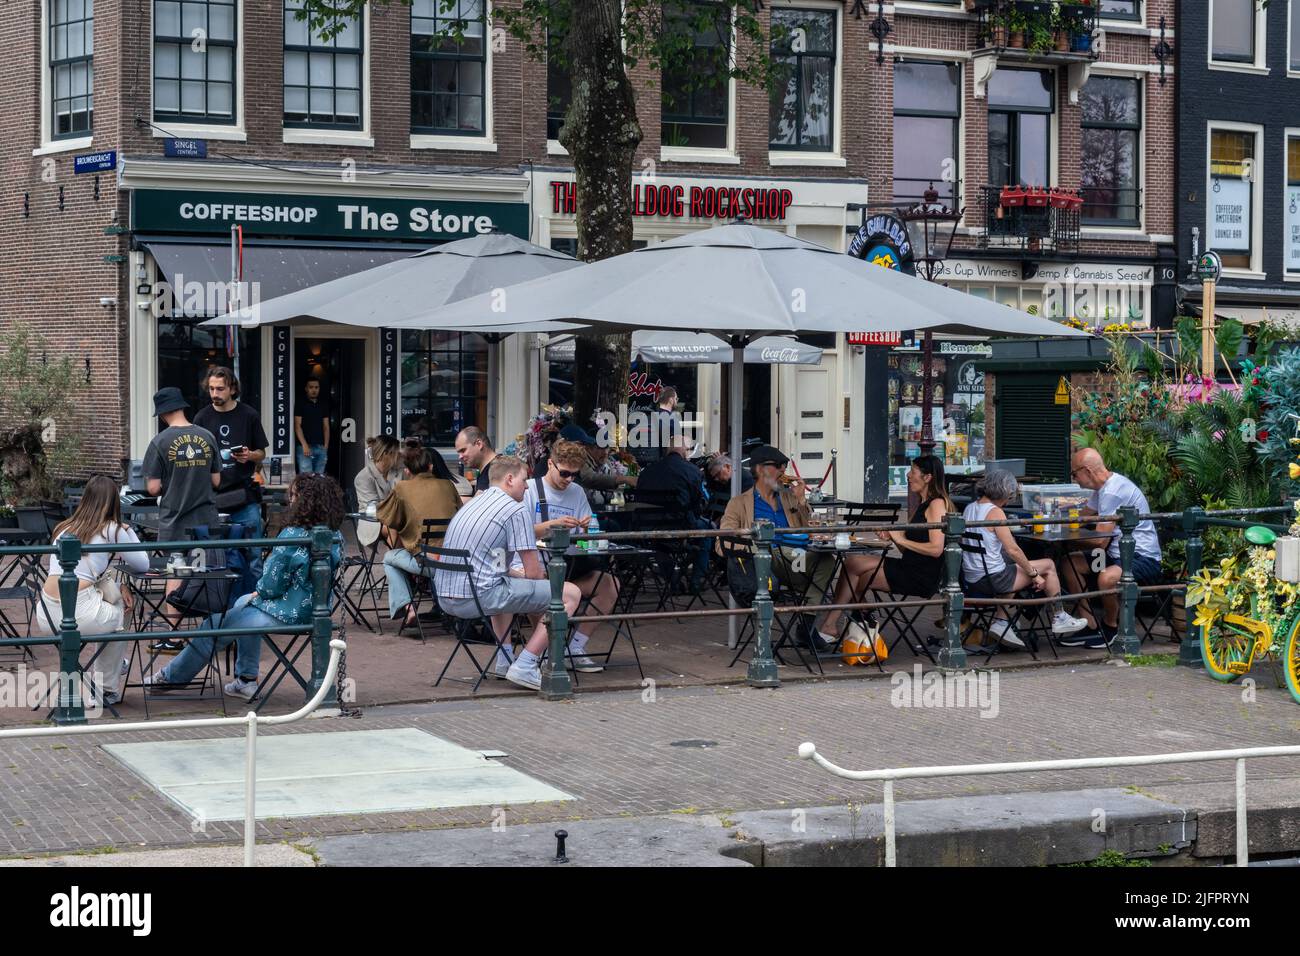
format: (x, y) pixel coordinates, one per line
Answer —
(742, 282)
(413, 285)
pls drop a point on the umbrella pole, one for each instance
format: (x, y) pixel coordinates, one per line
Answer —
(927, 396)
(737, 422)
(494, 383)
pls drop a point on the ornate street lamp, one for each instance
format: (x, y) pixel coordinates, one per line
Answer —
(932, 227)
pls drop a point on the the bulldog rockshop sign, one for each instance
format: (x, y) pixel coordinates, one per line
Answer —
(883, 241)
(693, 202)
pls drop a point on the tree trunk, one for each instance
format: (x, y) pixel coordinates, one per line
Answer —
(601, 133)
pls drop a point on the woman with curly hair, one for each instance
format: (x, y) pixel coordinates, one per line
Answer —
(283, 595)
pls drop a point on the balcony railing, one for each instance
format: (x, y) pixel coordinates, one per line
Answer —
(1022, 224)
(1051, 31)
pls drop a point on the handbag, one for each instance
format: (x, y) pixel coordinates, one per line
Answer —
(864, 646)
(110, 589)
(232, 500)
(742, 578)
(201, 597)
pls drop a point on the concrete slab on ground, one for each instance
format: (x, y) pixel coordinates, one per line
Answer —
(277, 854)
(306, 775)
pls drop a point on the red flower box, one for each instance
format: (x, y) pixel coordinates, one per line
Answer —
(1037, 198)
(1012, 196)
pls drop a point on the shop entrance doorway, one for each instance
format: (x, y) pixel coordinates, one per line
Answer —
(339, 366)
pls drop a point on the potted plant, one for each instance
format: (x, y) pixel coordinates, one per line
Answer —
(1017, 25)
(1038, 38)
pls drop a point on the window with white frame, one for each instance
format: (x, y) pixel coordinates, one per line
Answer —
(72, 67)
(1121, 9)
(559, 84)
(1293, 47)
(448, 67)
(802, 112)
(927, 120)
(322, 74)
(1292, 249)
(1109, 149)
(1232, 30)
(696, 107)
(194, 61)
(1231, 197)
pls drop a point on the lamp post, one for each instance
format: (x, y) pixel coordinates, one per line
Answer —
(932, 227)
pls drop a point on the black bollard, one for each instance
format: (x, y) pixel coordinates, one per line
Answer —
(560, 837)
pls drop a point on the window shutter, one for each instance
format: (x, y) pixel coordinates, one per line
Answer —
(1032, 426)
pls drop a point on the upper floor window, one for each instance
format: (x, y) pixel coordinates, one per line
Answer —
(927, 117)
(72, 67)
(1293, 56)
(1125, 9)
(1020, 127)
(322, 77)
(448, 67)
(802, 113)
(1111, 131)
(1232, 30)
(1293, 204)
(696, 102)
(194, 61)
(559, 85)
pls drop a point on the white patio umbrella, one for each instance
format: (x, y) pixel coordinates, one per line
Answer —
(413, 285)
(742, 282)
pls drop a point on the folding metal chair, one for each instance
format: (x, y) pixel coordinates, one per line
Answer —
(1031, 621)
(467, 631)
(432, 529)
(741, 549)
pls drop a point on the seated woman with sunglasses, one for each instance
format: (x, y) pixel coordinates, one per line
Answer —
(283, 595)
(429, 491)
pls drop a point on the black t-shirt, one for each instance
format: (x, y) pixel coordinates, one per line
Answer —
(484, 480)
(313, 415)
(239, 426)
(184, 458)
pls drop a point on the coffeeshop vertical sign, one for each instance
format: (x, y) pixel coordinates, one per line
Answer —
(388, 382)
(280, 371)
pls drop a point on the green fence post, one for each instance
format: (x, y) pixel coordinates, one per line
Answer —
(952, 654)
(762, 666)
(1129, 642)
(1189, 651)
(322, 579)
(70, 709)
(556, 684)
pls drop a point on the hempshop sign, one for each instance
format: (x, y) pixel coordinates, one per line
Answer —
(338, 217)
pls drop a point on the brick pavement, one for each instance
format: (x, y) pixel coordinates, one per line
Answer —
(616, 752)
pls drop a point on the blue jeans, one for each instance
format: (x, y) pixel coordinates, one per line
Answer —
(399, 564)
(247, 561)
(198, 651)
(313, 463)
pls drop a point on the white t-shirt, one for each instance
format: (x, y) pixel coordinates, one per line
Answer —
(570, 503)
(1119, 492)
(91, 566)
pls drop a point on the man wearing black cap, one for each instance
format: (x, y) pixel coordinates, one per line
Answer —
(784, 504)
(183, 469)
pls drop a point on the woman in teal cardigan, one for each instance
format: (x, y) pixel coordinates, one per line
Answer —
(283, 595)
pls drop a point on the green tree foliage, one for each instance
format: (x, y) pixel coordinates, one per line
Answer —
(39, 442)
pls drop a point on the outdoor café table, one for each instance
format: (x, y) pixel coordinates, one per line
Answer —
(862, 543)
(24, 569)
(364, 563)
(625, 563)
(1055, 540)
(624, 517)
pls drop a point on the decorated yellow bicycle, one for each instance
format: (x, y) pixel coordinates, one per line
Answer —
(1251, 612)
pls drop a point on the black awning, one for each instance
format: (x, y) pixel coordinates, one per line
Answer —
(279, 269)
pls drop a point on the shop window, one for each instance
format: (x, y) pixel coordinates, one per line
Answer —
(1293, 55)
(444, 385)
(696, 111)
(448, 71)
(1020, 125)
(1112, 125)
(322, 76)
(1232, 196)
(802, 114)
(927, 114)
(1232, 30)
(1293, 204)
(194, 82)
(72, 67)
(186, 350)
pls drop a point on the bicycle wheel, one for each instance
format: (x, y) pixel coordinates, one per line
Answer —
(1221, 648)
(1291, 658)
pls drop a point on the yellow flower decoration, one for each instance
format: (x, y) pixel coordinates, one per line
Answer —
(1293, 470)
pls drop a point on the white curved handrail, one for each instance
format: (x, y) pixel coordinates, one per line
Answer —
(249, 720)
(808, 751)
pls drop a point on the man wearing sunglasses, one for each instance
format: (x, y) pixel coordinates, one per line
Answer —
(556, 500)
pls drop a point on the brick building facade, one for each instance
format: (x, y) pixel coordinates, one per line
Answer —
(88, 251)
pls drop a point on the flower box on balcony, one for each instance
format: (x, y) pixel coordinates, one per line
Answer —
(1012, 196)
(1036, 198)
(1065, 199)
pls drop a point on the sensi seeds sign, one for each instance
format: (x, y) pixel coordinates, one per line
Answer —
(335, 217)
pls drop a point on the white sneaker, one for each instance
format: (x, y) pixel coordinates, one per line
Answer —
(1006, 633)
(500, 668)
(529, 677)
(585, 665)
(1063, 623)
(241, 688)
(157, 683)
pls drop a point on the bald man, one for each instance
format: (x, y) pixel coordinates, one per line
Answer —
(1110, 492)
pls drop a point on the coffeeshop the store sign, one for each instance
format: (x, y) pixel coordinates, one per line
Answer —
(339, 217)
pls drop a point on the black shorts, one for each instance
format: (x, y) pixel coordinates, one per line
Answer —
(1146, 571)
(994, 585)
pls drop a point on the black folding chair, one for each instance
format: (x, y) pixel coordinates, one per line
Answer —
(467, 631)
(1154, 607)
(1031, 620)
(740, 549)
(432, 530)
(674, 567)
(867, 513)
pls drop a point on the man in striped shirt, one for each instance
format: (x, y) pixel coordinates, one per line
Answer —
(494, 527)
